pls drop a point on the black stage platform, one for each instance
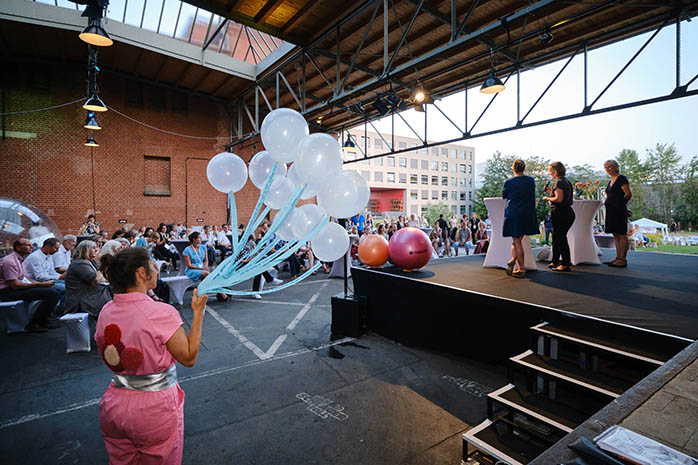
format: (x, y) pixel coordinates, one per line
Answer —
(459, 306)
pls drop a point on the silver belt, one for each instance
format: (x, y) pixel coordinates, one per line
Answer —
(154, 382)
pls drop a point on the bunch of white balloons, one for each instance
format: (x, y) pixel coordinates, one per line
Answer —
(316, 163)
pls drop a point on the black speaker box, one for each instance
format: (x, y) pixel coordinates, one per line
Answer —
(348, 315)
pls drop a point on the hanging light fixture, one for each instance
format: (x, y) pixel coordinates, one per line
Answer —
(94, 103)
(492, 84)
(91, 142)
(348, 143)
(91, 122)
(95, 34)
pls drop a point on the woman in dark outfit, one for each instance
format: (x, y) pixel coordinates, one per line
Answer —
(519, 215)
(617, 197)
(561, 215)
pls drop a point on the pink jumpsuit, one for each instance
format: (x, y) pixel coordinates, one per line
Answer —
(140, 427)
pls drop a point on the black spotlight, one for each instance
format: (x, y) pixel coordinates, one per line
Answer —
(380, 106)
(392, 99)
(546, 37)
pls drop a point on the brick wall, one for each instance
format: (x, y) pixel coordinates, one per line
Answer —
(54, 171)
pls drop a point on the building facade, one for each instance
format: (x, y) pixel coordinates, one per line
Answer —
(406, 183)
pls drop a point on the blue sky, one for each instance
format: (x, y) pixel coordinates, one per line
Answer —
(590, 139)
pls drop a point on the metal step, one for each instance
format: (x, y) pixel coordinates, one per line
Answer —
(503, 441)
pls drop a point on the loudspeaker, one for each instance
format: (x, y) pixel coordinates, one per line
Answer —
(348, 315)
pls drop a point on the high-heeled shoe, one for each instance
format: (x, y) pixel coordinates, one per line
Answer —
(510, 266)
(562, 268)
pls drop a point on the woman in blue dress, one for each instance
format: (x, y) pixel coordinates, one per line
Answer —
(196, 261)
(519, 215)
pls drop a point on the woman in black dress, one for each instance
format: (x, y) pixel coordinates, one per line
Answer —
(617, 197)
(561, 216)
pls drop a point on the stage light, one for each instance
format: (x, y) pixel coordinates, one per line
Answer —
(492, 85)
(418, 107)
(91, 142)
(94, 34)
(94, 103)
(380, 106)
(392, 99)
(348, 143)
(91, 122)
(546, 37)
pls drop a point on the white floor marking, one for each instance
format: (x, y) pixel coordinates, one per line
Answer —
(279, 340)
(205, 374)
(266, 301)
(323, 407)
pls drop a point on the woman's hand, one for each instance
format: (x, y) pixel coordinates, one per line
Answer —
(198, 304)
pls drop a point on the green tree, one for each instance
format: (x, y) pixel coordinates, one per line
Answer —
(687, 210)
(434, 210)
(663, 163)
(638, 174)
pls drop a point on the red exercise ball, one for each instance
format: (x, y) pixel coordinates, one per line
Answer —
(373, 250)
(410, 248)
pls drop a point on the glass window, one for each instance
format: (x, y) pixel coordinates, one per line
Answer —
(424, 209)
(471, 155)
(444, 166)
(425, 164)
(454, 182)
(365, 140)
(434, 180)
(366, 175)
(462, 155)
(454, 208)
(444, 152)
(462, 209)
(470, 183)
(444, 195)
(435, 151)
(413, 179)
(454, 167)
(390, 177)
(461, 182)
(403, 178)
(444, 181)
(470, 169)
(454, 195)
(461, 168)
(435, 166)
(378, 161)
(414, 163)
(462, 196)
(470, 195)
(413, 195)
(435, 195)
(378, 176)
(425, 195)
(413, 145)
(425, 179)
(391, 162)
(454, 153)
(378, 143)
(402, 145)
(423, 150)
(402, 162)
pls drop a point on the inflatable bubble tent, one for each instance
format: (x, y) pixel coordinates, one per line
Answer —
(19, 219)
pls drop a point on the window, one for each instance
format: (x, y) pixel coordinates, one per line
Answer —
(435, 195)
(461, 182)
(378, 143)
(434, 180)
(435, 166)
(378, 161)
(444, 195)
(454, 182)
(391, 162)
(454, 153)
(414, 163)
(470, 169)
(462, 209)
(425, 164)
(462, 197)
(402, 162)
(412, 146)
(462, 155)
(471, 155)
(470, 195)
(444, 152)
(425, 195)
(365, 140)
(454, 209)
(470, 183)
(413, 194)
(461, 168)
(365, 161)
(378, 176)
(390, 177)
(424, 209)
(444, 181)
(444, 166)
(454, 167)
(454, 195)
(402, 145)
(425, 179)
(423, 151)
(366, 175)
(403, 178)
(413, 179)
(435, 151)
(157, 176)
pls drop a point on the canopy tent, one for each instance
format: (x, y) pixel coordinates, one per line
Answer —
(651, 226)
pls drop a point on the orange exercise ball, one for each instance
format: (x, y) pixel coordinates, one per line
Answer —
(373, 250)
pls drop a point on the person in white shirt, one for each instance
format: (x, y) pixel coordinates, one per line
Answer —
(223, 242)
(61, 259)
(210, 238)
(40, 268)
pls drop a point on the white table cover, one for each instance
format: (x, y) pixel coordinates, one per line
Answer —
(499, 251)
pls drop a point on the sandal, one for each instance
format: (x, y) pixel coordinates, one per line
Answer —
(620, 263)
(510, 266)
(519, 274)
(562, 268)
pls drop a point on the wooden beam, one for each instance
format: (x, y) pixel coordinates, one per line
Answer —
(300, 14)
(267, 10)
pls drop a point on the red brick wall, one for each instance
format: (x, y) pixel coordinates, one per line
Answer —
(55, 172)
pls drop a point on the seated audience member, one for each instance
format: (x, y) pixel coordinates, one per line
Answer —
(223, 243)
(90, 226)
(640, 239)
(14, 285)
(130, 236)
(61, 259)
(103, 237)
(84, 291)
(39, 266)
(481, 240)
(381, 231)
(210, 239)
(245, 256)
(465, 238)
(414, 222)
(436, 237)
(196, 261)
(143, 240)
(453, 236)
(118, 233)
(161, 251)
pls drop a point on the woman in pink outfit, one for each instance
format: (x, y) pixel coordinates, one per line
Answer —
(142, 411)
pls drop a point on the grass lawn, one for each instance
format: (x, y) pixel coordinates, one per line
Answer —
(690, 249)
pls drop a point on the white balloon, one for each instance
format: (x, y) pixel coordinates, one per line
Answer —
(310, 191)
(260, 168)
(319, 157)
(279, 195)
(304, 219)
(330, 243)
(363, 189)
(282, 132)
(284, 231)
(226, 172)
(340, 196)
